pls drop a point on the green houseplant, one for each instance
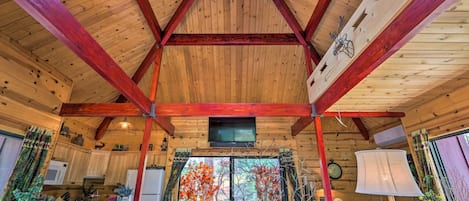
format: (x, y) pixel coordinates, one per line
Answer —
(124, 193)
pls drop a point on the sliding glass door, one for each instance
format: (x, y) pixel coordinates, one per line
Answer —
(10, 147)
(231, 178)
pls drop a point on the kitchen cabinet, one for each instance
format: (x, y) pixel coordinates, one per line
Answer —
(77, 158)
(119, 163)
(98, 163)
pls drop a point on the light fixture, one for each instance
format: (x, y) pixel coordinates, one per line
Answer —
(385, 172)
(124, 123)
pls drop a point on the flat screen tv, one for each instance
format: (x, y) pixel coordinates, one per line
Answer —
(232, 131)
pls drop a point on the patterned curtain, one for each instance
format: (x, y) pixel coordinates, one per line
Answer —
(288, 165)
(427, 167)
(180, 159)
(26, 180)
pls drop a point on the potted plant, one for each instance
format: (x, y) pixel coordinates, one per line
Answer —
(124, 193)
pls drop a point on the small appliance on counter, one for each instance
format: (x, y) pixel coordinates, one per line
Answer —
(55, 173)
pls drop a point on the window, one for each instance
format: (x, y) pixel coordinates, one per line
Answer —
(451, 156)
(231, 178)
(10, 147)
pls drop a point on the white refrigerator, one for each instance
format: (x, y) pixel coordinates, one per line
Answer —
(152, 187)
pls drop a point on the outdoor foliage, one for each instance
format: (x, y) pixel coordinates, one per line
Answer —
(267, 182)
(252, 179)
(198, 184)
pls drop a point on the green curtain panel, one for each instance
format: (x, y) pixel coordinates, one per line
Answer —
(427, 169)
(180, 159)
(26, 180)
(288, 166)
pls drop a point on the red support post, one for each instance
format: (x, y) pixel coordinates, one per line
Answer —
(155, 53)
(156, 75)
(163, 122)
(326, 183)
(143, 157)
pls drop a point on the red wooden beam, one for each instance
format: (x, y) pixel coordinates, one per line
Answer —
(209, 109)
(393, 37)
(177, 17)
(326, 183)
(103, 126)
(313, 53)
(299, 125)
(361, 126)
(156, 75)
(55, 17)
(316, 17)
(303, 122)
(308, 60)
(163, 122)
(232, 109)
(291, 20)
(150, 16)
(143, 156)
(233, 39)
(295, 26)
(99, 110)
(155, 53)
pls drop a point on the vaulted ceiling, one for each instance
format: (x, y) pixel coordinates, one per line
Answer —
(434, 62)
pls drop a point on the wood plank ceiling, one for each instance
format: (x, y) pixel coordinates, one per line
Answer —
(244, 74)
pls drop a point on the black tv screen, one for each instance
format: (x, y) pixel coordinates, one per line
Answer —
(232, 131)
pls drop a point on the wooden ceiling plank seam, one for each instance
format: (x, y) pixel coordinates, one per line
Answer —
(67, 29)
(362, 128)
(391, 39)
(316, 17)
(138, 75)
(150, 17)
(175, 20)
(209, 109)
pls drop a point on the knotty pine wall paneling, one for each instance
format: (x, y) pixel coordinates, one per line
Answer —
(31, 92)
(274, 133)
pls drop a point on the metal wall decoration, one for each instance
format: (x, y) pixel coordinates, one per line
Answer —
(341, 43)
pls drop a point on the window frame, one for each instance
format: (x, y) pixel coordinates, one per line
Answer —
(282, 174)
